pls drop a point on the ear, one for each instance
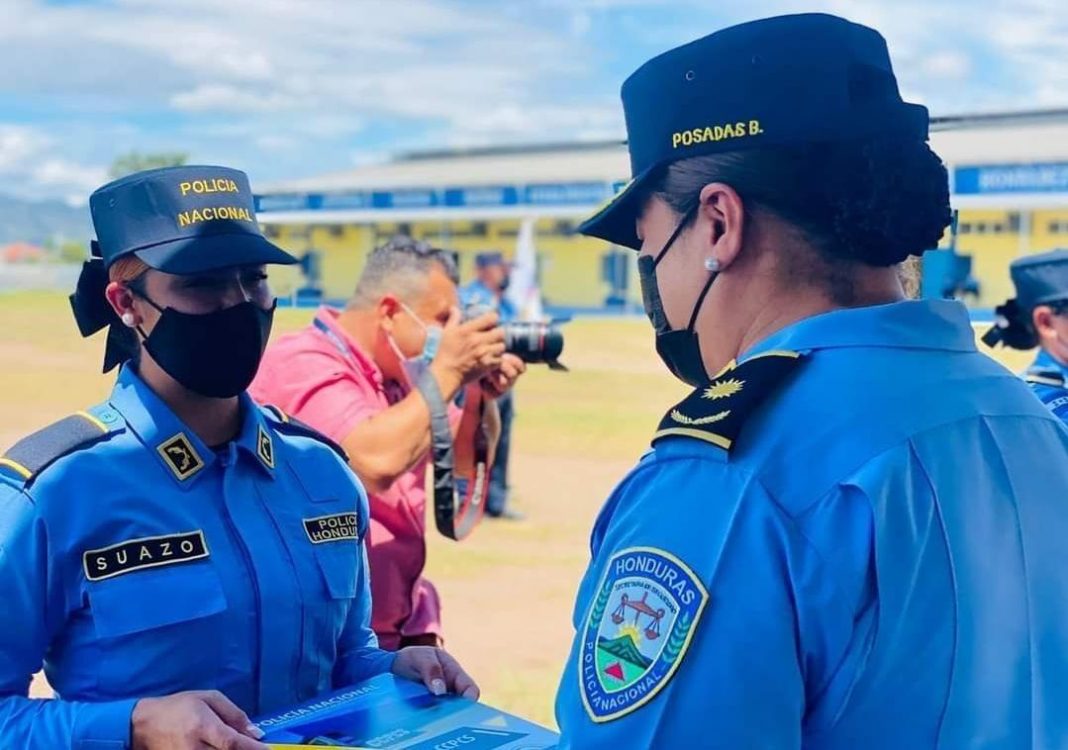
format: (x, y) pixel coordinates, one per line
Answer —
(121, 300)
(1042, 318)
(388, 308)
(723, 215)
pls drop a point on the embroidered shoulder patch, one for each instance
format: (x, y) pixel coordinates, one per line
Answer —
(716, 412)
(639, 627)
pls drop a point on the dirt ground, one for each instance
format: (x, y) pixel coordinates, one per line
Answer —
(508, 589)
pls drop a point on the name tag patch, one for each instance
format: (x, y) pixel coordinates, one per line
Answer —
(149, 552)
(331, 528)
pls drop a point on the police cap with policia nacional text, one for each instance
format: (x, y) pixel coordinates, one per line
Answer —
(179, 220)
(774, 82)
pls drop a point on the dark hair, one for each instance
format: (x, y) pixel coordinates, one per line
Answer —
(1014, 325)
(398, 267)
(873, 202)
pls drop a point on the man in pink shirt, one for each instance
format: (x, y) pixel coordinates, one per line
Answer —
(356, 375)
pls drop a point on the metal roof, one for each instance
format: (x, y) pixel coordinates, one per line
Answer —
(993, 138)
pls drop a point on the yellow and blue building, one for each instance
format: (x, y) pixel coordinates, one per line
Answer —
(1008, 177)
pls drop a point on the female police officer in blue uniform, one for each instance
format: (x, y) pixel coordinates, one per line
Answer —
(851, 534)
(178, 537)
(1038, 316)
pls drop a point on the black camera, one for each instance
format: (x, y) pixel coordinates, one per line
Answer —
(534, 342)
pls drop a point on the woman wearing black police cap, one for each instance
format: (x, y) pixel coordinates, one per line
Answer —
(1038, 316)
(177, 558)
(850, 534)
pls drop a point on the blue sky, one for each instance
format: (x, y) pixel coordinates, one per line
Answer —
(292, 88)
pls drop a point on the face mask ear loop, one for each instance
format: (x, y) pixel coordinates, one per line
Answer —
(675, 235)
(700, 301)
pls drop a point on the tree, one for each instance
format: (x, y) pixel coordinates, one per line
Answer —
(135, 161)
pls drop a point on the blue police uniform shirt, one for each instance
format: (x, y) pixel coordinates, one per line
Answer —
(147, 563)
(1047, 378)
(477, 293)
(877, 562)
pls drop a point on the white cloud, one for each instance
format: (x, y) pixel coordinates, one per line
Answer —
(220, 98)
(27, 169)
(948, 64)
(288, 85)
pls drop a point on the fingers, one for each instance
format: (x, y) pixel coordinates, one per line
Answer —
(230, 714)
(215, 734)
(431, 672)
(455, 317)
(485, 322)
(456, 678)
(512, 366)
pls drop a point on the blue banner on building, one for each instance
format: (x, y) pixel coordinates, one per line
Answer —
(482, 196)
(1011, 178)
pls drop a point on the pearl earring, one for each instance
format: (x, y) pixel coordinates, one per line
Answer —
(128, 319)
(712, 264)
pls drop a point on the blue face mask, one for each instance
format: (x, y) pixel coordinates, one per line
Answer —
(416, 367)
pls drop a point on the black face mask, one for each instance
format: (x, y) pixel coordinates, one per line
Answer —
(215, 354)
(679, 350)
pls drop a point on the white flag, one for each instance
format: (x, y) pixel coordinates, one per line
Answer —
(523, 291)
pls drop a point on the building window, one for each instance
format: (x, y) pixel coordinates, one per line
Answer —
(981, 227)
(1014, 222)
(964, 227)
(337, 231)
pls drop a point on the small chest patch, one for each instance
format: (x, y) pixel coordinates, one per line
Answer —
(149, 552)
(643, 616)
(335, 528)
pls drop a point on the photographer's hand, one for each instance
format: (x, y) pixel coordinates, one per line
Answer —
(468, 350)
(500, 381)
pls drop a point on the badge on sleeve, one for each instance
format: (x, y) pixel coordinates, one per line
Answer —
(643, 616)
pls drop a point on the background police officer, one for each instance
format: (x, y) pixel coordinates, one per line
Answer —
(1038, 316)
(177, 557)
(850, 535)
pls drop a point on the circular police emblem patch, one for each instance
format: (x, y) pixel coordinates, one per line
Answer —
(638, 630)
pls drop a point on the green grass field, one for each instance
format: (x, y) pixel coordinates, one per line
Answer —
(508, 590)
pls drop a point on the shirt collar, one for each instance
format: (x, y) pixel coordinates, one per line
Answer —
(911, 324)
(1045, 361)
(327, 325)
(183, 455)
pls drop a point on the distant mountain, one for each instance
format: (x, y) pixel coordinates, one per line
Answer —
(624, 648)
(40, 221)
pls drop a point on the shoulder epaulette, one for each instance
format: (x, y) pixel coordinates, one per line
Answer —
(717, 411)
(1054, 378)
(292, 426)
(27, 458)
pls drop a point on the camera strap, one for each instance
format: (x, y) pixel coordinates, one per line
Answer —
(460, 481)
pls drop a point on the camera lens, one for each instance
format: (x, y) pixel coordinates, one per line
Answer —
(534, 342)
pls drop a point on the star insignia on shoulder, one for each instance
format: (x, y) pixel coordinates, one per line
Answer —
(724, 388)
(715, 412)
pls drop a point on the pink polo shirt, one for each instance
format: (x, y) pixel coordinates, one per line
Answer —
(321, 376)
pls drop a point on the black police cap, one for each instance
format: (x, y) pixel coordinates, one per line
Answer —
(777, 81)
(1040, 279)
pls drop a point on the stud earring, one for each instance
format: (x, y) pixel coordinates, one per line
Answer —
(712, 264)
